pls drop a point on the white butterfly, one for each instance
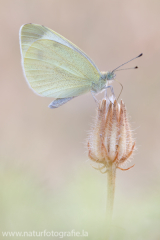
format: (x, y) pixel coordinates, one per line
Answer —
(55, 67)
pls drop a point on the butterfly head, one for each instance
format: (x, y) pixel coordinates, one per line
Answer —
(110, 75)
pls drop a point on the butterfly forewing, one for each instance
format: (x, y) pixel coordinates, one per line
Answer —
(29, 33)
(53, 66)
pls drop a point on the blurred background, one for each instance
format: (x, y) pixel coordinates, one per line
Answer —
(46, 180)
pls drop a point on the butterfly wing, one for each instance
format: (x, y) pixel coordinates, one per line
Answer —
(59, 102)
(53, 66)
(29, 33)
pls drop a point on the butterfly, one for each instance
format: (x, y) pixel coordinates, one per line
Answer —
(55, 67)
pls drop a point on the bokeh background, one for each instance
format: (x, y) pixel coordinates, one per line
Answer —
(46, 180)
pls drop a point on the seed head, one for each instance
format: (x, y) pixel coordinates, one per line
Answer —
(110, 140)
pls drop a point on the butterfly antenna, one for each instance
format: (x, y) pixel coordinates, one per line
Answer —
(127, 62)
(127, 68)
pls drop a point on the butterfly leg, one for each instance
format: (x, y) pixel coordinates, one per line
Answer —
(112, 91)
(95, 99)
(59, 102)
(112, 98)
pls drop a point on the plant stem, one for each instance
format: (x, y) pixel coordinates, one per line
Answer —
(111, 176)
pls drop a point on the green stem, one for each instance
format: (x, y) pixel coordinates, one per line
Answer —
(111, 176)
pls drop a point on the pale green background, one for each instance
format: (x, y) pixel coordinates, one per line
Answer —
(46, 181)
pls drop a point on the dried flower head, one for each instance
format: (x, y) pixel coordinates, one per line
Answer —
(110, 140)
